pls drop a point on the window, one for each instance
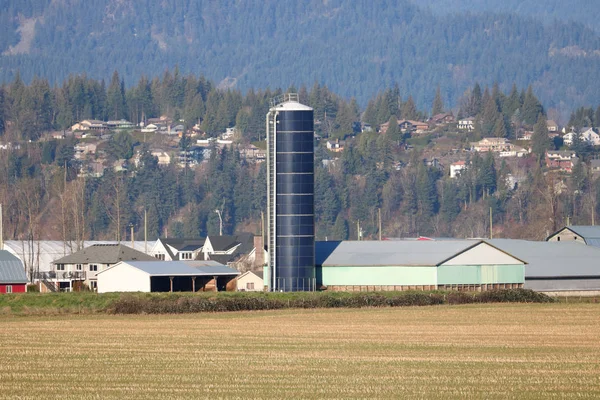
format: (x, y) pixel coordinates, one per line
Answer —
(60, 267)
(250, 286)
(93, 267)
(79, 267)
(9, 289)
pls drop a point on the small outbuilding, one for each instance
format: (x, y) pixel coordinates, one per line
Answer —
(167, 276)
(588, 234)
(416, 265)
(13, 278)
(251, 281)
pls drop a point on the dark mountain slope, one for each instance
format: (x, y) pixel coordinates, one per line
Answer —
(355, 47)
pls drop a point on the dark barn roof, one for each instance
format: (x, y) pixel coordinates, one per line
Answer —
(104, 254)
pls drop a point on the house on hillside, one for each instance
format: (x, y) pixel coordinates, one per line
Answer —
(586, 234)
(440, 119)
(91, 169)
(552, 126)
(150, 128)
(563, 160)
(407, 125)
(253, 153)
(89, 125)
(167, 276)
(466, 124)
(415, 265)
(174, 249)
(336, 145)
(492, 144)
(13, 278)
(586, 134)
(514, 151)
(119, 124)
(456, 167)
(82, 150)
(251, 281)
(81, 268)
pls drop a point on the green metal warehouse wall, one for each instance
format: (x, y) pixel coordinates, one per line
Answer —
(480, 274)
(380, 275)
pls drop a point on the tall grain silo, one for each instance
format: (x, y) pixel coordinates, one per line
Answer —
(290, 195)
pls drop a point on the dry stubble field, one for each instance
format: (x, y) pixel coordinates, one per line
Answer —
(540, 351)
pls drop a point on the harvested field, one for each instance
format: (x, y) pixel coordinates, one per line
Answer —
(491, 351)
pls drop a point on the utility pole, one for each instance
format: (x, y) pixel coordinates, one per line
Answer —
(262, 227)
(379, 215)
(145, 231)
(491, 224)
(1, 229)
(132, 242)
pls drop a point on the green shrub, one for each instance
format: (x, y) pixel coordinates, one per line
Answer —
(33, 288)
(513, 296)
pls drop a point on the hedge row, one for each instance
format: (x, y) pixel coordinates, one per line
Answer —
(174, 304)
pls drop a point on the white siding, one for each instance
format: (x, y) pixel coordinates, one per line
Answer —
(243, 280)
(122, 277)
(483, 254)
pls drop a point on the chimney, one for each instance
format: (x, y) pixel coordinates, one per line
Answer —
(259, 252)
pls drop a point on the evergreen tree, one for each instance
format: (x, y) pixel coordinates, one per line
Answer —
(532, 108)
(393, 131)
(450, 207)
(426, 191)
(540, 142)
(409, 109)
(438, 103)
(340, 228)
(115, 101)
(512, 103)
(475, 101)
(500, 128)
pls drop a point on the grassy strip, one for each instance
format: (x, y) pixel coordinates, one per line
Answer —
(180, 303)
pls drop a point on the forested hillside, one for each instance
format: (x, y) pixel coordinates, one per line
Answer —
(45, 196)
(356, 48)
(572, 11)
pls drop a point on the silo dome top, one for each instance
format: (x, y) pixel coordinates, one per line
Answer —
(288, 102)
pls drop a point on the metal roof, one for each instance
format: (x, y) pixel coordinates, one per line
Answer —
(553, 259)
(41, 253)
(591, 234)
(292, 106)
(180, 268)
(11, 269)
(104, 254)
(381, 253)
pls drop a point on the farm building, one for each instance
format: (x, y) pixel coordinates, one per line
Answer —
(568, 266)
(37, 255)
(166, 276)
(251, 281)
(84, 265)
(587, 234)
(12, 274)
(177, 249)
(421, 265)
